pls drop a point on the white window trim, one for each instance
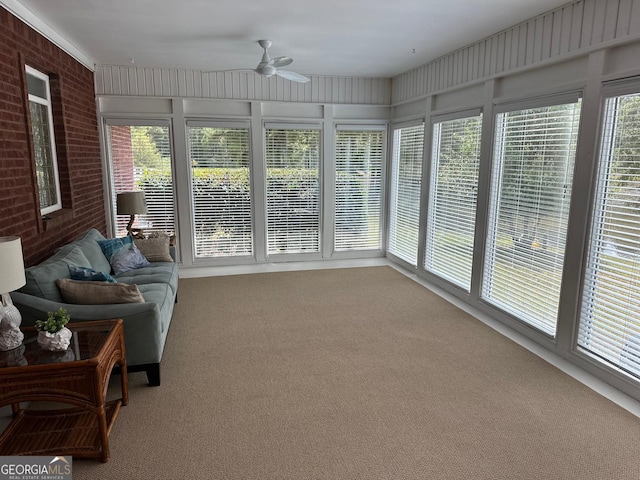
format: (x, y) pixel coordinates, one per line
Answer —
(109, 185)
(218, 123)
(496, 192)
(275, 125)
(231, 124)
(432, 183)
(537, 102)
(358, 128)
(292, 126)
(457, 115)
(610, 369)
(407, 124)
(352, 127)
(394, 148)
(54, 157)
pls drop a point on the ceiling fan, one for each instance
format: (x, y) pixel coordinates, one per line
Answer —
(271, 66)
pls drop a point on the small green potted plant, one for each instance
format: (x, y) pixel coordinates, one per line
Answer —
(52, 333)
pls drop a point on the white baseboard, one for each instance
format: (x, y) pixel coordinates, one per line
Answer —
(198, 272)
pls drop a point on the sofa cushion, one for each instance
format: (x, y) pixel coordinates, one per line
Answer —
(161, 294)
(41, 279)
(157, 272)
(98, 293)
(88, 243)
(156, 248)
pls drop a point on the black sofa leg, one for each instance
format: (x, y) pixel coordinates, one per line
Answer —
(153, 374)
(152, 370)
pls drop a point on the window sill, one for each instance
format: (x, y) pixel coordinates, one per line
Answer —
(57, 219)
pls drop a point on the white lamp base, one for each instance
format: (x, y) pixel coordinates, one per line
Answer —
(10, 335)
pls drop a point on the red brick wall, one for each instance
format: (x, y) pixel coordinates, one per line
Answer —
(121, 152)
(76, 136)
(122, 157)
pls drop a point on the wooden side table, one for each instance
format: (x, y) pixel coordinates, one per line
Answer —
(78, 377)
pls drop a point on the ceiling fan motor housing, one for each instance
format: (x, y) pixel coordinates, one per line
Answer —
(268, 66)
(266, 70)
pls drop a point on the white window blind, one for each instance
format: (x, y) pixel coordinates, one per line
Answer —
(406, 173)
(610, 316)
(221, 191)
(534, 155)
(293, 190)
(359, 157)
(140, 157)
(44, 146)
(452, 206)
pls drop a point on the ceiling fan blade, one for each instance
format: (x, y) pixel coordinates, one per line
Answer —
(293, 76)
(281, 61)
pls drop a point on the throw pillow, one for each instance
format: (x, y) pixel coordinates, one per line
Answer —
(110, 246)
(155, 248)
(41, 279)
(126, 259)
(89, 274)
(83, 292)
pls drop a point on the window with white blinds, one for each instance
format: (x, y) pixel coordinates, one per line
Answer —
(534, 156)
(406, 174)
(220, 190)
(452, 207)
(293, 189)
(610, 314)
(140, 158)
(359, 158)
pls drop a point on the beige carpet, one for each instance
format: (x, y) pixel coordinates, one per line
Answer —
(355, 374)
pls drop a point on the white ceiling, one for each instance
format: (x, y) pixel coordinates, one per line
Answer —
(373, 38)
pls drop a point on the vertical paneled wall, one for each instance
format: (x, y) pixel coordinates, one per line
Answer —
(76, 135)
(166, 82)
(575, 28)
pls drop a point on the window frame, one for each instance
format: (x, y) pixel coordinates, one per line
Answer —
(109, 184)
(419, 122)
(604, 141)
(352, 127)
(432, 192)
(230, 124)
(495, 189)
(276, 125)
(47, 102)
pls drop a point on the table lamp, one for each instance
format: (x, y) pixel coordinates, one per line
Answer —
(11, 278)
(132, 203)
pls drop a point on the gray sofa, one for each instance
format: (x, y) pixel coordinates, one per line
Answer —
(145, 324)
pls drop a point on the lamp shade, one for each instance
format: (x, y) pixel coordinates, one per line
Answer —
(11, 264)
(131, 203)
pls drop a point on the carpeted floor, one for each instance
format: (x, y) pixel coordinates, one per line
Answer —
(355, 374)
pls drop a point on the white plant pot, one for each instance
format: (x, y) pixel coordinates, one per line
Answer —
(56, 342)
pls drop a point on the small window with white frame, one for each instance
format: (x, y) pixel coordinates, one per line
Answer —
(44, 147)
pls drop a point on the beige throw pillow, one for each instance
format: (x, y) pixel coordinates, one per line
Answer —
(82, 292)
(155, 248)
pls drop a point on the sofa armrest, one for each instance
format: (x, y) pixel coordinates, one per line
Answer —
(34, 308)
